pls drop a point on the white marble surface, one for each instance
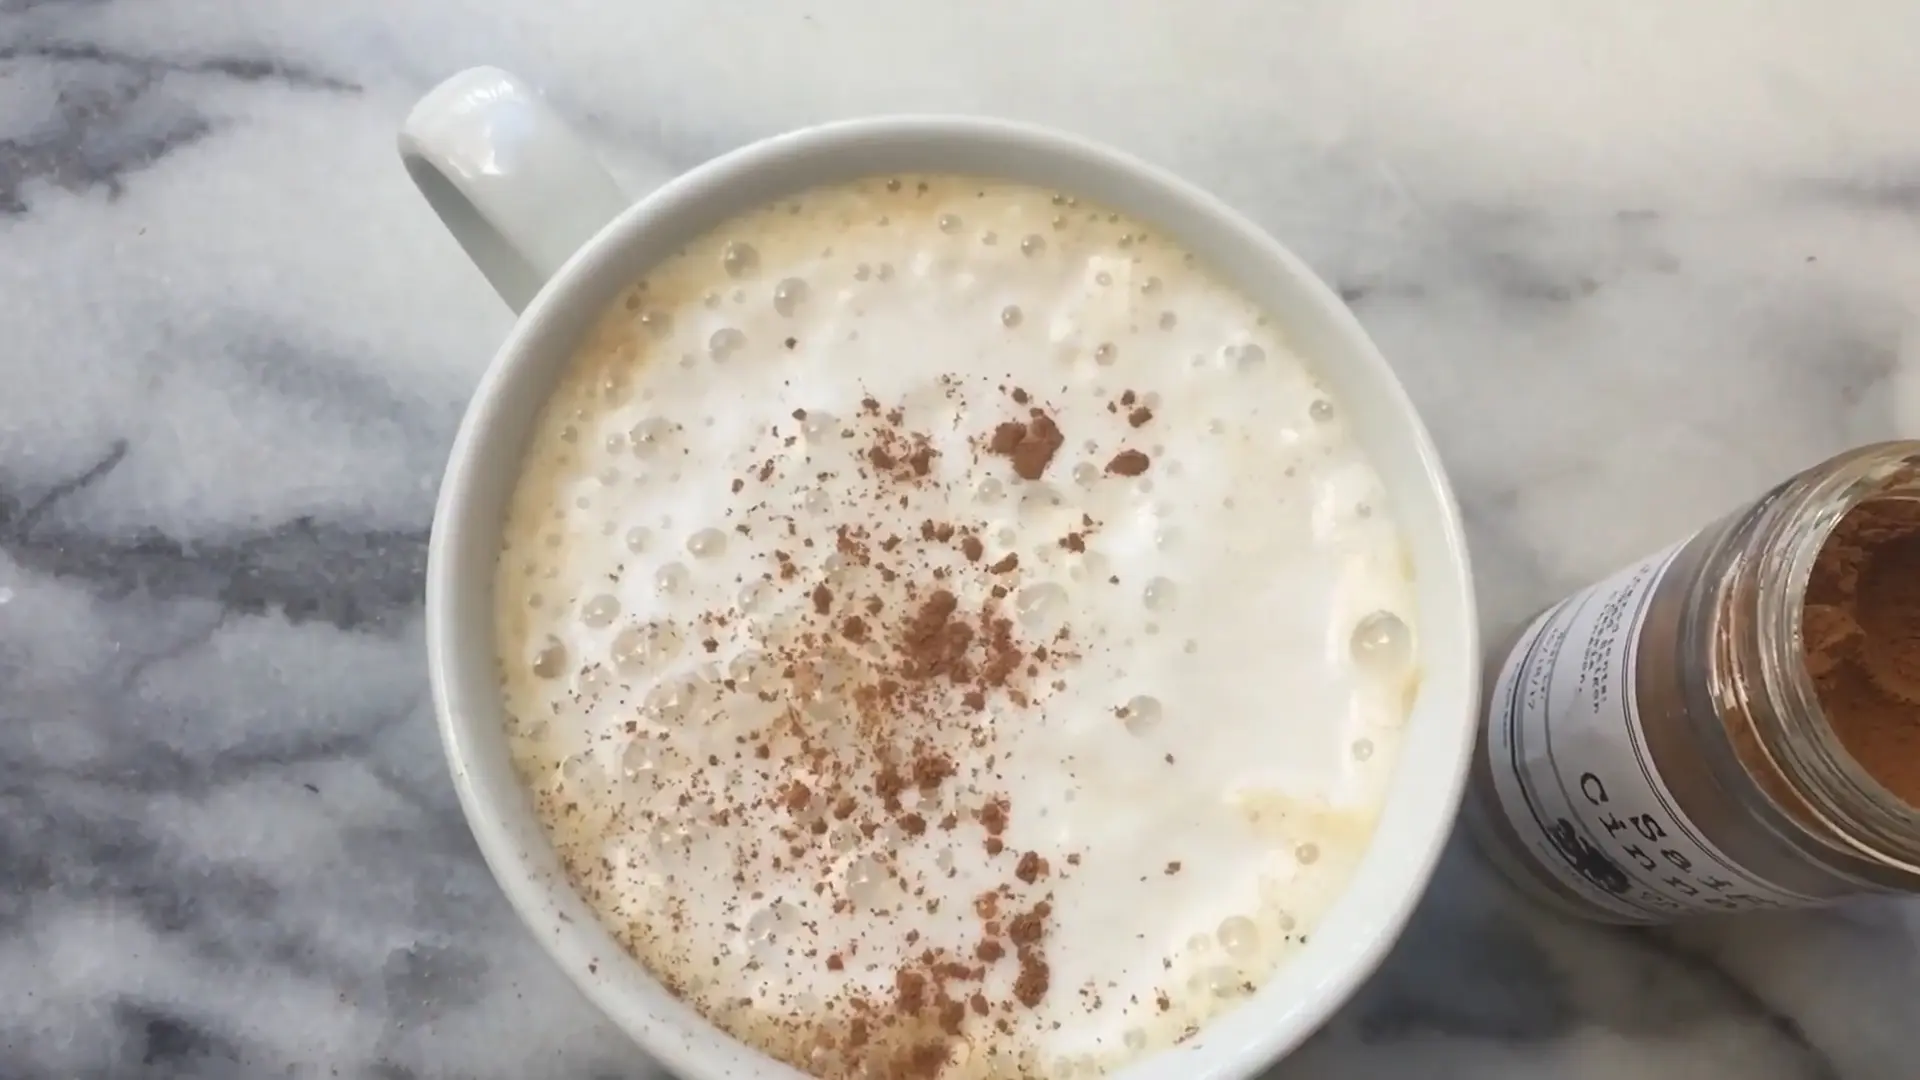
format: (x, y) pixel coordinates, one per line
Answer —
(1633, 260)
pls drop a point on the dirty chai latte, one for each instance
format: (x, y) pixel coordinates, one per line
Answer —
(950, 635)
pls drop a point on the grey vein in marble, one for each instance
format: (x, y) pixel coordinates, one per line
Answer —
(107, 122)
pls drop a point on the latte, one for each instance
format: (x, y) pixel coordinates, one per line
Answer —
(948, 633)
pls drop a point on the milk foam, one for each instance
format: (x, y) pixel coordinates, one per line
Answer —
(1203, 668)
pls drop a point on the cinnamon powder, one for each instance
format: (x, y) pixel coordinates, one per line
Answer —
(886, 675)
(1861, 628)
(1031, 445)
(1128, 463)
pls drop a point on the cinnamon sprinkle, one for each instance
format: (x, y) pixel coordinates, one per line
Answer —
(1128, 463)
(1030, 445)
(886, 690)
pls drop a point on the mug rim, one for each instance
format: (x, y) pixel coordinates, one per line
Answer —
(505, 828)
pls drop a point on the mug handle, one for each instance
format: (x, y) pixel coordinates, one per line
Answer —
(511, 180)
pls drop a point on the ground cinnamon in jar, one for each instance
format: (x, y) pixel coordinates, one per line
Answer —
(1861, 626)
(1729, 724)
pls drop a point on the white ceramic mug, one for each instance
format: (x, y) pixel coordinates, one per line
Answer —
(559, 241)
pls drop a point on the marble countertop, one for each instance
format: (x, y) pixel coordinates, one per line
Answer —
(1633, 261)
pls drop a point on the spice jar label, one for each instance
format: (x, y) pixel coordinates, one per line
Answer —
(1574, 776)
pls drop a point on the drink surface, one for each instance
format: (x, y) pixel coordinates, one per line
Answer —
(949, 634)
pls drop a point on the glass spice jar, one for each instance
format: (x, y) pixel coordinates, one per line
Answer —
(1732, 724)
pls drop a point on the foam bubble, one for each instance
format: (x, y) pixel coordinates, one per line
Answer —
(789, 295)
(1321, 411)
(1036, 498)
(1159, 595)
(637, 539)
(1222, 981)
(671, 578)
(726, 341)
(707, 544)
(648, 434)
(670, 838)
(1041, 605)
(1032, 244)
(656, 324)
(601, 610)
(755, 597)
(551, 661)
(641, 649)
(1089, 566)
(1239, 937)
(1141, 713)
(845, 839)
(950, 223)
(669, 702)
(819, 425)
(1010, 316)
(1382, 641)
(746, 670)
(639, 759)
(867, 883)
(739, 260)
(593, 683)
